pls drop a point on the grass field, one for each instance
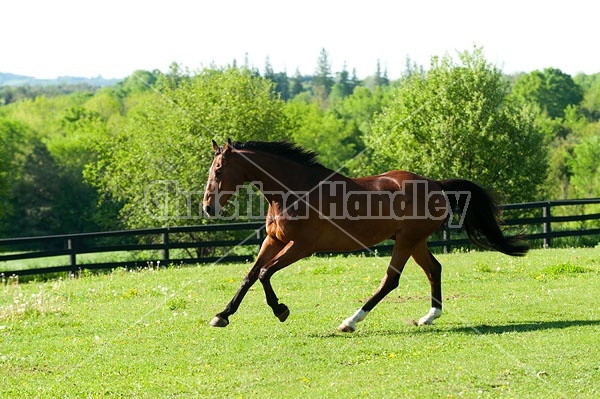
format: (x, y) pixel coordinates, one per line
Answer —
(526, 327)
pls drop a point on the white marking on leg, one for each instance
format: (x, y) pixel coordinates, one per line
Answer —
(433, 314)
(349, 325)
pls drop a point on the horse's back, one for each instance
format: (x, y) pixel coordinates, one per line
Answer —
(396, 180)
(374, 208)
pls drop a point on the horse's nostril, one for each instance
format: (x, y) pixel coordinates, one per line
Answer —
(209, 210)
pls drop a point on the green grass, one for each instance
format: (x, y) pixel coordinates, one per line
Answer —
(512, 327)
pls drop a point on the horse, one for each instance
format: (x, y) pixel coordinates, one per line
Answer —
(314, 209)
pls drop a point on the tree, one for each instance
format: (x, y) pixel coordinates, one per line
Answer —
(558, 179)
(269, 73)
(343, 86)
(552, 89)
(46, 192)
(164, 148)
(378, 79)
(356, 113)
(12, 136)
(33, 196)
(585, 165)
(411, 67)
(282, 85)
(455, 121)
(105, 103)
(50, 198)
(591, 99)
(320, 130)
(381, 79)
(354, 80)
(138, 81)
(280, 80)
(296, 86)
(323, 82)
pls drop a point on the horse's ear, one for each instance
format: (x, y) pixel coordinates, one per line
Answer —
(216, 147)
(227, 148)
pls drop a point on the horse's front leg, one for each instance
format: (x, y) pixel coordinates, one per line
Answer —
(288, 255)
(269, 249)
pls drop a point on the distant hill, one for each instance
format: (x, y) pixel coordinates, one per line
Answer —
(11, 79)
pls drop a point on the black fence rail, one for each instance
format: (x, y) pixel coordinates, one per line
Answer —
(536, 219)
(159, 239)
(542, 224)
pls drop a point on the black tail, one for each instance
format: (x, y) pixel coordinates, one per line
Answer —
(482, 217)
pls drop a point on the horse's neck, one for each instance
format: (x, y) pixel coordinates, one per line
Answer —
(278, 174)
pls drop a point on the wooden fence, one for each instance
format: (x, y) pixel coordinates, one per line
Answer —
(537, 219)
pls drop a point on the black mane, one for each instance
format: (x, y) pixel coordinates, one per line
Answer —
(282, 148)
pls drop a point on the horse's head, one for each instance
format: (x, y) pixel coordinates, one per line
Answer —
(223, 178)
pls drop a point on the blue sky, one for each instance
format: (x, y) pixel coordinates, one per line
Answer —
(112, 38)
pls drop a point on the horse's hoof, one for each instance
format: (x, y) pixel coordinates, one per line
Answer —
(346, 328)
(282, 312)
(428, 319)
(219, 322)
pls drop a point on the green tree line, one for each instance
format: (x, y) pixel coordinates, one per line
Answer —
(90, 159)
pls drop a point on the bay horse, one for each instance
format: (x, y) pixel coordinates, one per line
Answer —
(314, 209)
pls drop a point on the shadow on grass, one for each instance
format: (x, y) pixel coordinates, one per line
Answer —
(484, 329)
(481, 329)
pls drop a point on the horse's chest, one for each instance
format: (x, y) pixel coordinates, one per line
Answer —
(280, 228)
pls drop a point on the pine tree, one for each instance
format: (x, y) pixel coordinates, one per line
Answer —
(269, 74)
(343, 86)
(296, 84)
(381, 79)
(322, 81)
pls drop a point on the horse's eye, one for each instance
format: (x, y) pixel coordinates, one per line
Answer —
(218, 172)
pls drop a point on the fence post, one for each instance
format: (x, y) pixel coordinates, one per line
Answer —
(260, 236)
(547, 216)
(72, 255)
(165, 250)
(446, 236)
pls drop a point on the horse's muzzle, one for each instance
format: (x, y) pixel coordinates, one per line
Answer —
(209, 210)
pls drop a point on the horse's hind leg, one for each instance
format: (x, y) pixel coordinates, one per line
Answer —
(389, 282)
(433, 270)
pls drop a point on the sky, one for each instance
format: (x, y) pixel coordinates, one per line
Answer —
(112, 39)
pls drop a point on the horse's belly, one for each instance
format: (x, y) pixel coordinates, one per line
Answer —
(343, 237)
